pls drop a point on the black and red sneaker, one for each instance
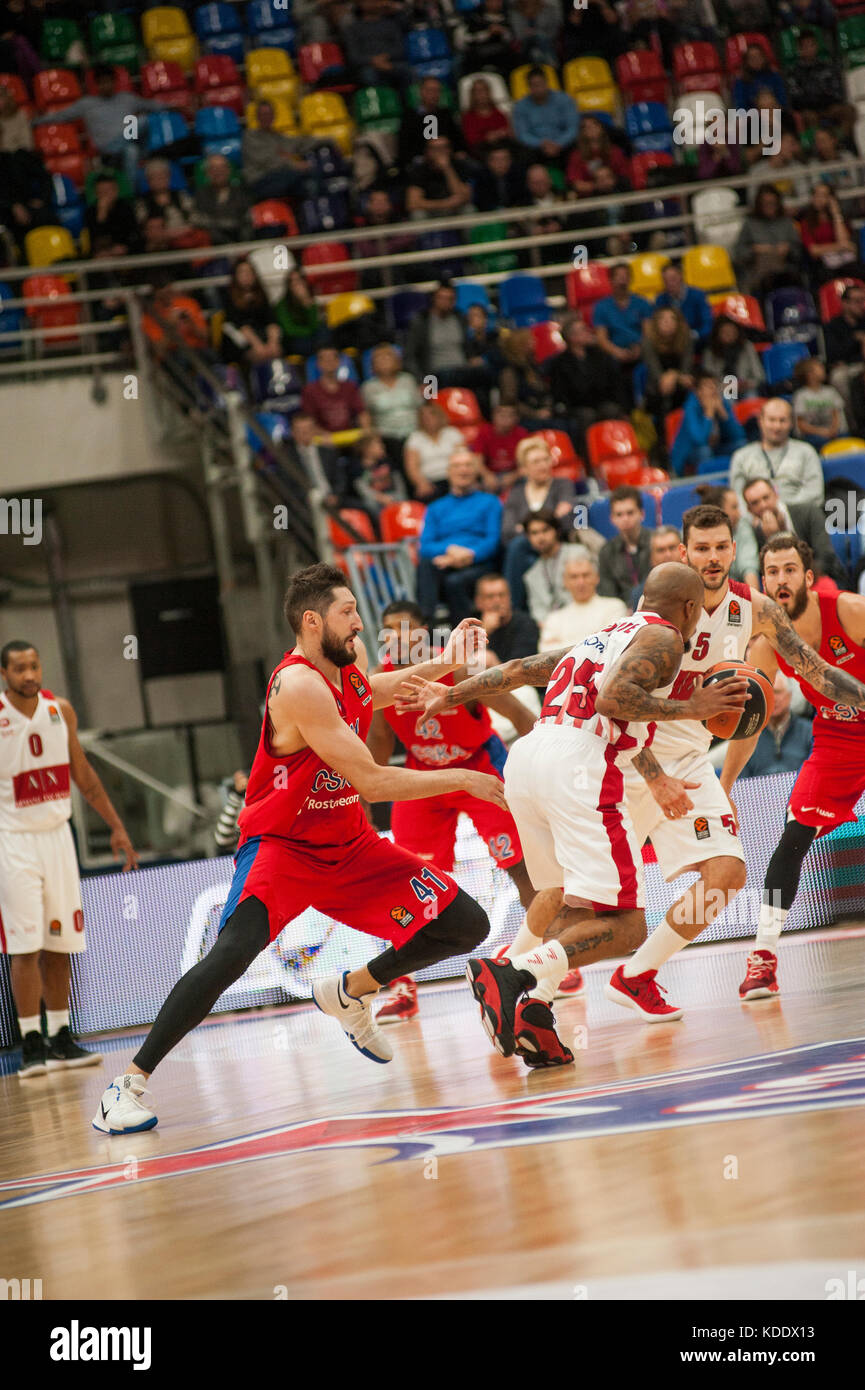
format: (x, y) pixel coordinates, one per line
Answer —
(535, 1036)
(497, 986)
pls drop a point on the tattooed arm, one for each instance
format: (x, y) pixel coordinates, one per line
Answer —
(771, 622)
(487, 687)
(650, 661)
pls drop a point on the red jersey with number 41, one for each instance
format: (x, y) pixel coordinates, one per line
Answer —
(34, 766)
(834, 721)
(579, 678)
(299, 797)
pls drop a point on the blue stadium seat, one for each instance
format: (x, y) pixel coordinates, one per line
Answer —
(789, 308)
(215, 122)
(163, 128)
(648, 127)
(274, 424)
(523, 299)
(68, 204)
(599, 513)
(469, 294)
(448, 268)
(719, 463)
(347, 371)
(329, 167)
(277, 386)
(780, 359)
(428, 52)
(264, 15)
(850, 466)
(324, 214)
(404, 306)
(675, 502)
(639, 380)
(282, 35)
(212, 20)
(11, 320)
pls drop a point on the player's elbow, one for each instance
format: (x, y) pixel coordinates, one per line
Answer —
(605, 705)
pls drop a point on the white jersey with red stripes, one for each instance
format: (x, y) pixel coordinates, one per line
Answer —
(722, 635)
(579, 678)
(34, 766)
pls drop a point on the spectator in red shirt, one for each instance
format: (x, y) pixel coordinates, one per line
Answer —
(594, 148)
(826, 237)
(483, 121)
(334, 405)
(497, 445)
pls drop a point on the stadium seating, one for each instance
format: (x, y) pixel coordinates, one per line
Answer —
(780, 359)
(847, 444)
(587, 284)
(610, 439)
(708, 268)
(675, 502)
(641, 77)
(522, 298)
(55, 87)
(696, 67)
(329, 281)
(346, 371)
(744, 308)
(428, 52)
(45, 245)
(274, 217)
(646, 273)
(114, 39)
(60, 313)
(461, 406)
(737, 45)
(11, 321)
(520, 80)
(547, 339)
(401, 521)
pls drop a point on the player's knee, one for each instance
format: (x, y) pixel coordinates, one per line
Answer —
(466, 923)
(727, 874)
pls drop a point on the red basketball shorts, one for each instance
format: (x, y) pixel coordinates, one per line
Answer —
(429, 828)
(829, 785)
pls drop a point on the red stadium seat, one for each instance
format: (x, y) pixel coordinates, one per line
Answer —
(460, 406)
(643, 163)
(233, 98)
(830, 297)
(744, 308)
(55, 87)
(671, 426)
(560, 445)
(273, 212)
(695, 60)
(746, 410)
(160, 77)
(651, 476)
(314, 59)
(586, 284)
(641, 76)
(329, 281)
(62, 138)
(216, 70)
(16, 85)
(55, 315)
(625, 471)
(401, 521)
(122, 79)
(738, 43)
(359, 521)
(611, 439)
(548, 340)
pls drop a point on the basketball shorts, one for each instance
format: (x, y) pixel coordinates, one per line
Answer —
(707, 832)
(429, 828)
(567, 798)
(370, 884)
(40, 892)
(830, 783)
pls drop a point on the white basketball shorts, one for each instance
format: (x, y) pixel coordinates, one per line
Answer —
(40, 892)
(705, 833)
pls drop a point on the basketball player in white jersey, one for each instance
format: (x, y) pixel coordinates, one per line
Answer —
(41, 920)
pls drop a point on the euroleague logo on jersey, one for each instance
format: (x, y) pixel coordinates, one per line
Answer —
(839, 649)
(402, 916)
(734, 613)
(356, 680)
(701, 828)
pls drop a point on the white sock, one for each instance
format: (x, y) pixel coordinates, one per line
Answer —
(29, 1025)
(56, 1019)
(524, 941)
(545, 991)
(769, 925)
(548, 961)
(660, 946)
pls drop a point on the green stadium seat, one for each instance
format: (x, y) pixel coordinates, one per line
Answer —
(114, 39)
(496, 262)
(377, 108)
(58, 36)
(851, 40)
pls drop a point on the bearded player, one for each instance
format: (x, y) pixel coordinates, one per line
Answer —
(305, 841)
(463, 737)
(832, 779)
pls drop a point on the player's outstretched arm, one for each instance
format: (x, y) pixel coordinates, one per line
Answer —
(84, 776)
(649, 662)
(465, 645)
(417, 693)
(771, 622)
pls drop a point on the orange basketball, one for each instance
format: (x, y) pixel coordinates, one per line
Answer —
(758, 707)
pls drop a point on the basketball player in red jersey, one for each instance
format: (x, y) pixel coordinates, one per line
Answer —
(41, 920)
(305, 841)
(832, 779)
(463, 737)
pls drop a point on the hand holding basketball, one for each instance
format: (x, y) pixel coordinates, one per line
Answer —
(726, 696)
(747, 717)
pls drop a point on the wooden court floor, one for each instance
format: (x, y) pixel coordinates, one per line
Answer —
(720, 1156)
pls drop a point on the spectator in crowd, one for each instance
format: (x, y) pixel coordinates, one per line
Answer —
(322, 465)
(594, 150)
(378, 211)
(785, 743)
(826, 237)
(300, 320)
(647, 23)
(415, 128)
(15, 129)
(746, 565)
(816, 88)
(768, 515)
(593, 28)
(768, 249)
(845, 352)
(483, 122)
(792, 465)
(799, 12)
(485, 39)
(106, 118)
(619, 318)
(585, 384)
(827, 151)
(818, 409)
(438, 182)
(786, 171)
(226, 833)
(511, 632)
(428, 451)
(708, 427)
(392, 398)
(545, 120)
(373, 165)
(690, 302)
(668, 356)
(436, 347)
(732, 357)
(755, 76)
(164, 213)
(608, 185)
(376, 482)
(663, 547)
(482, 345)
(496, 444)
(521, 382)
(110, 220)
(336, 406)
(760, 140)
(535, 25)
(25, 193)
(373, 44)
(459, 540)
(718, 161)
(544, 579)
(541, 194)
(625, 559)
(273, 163)
(500, 182)
(535, 492)
(220, 205)
(587, 612)
(169, 313)
(250, 333)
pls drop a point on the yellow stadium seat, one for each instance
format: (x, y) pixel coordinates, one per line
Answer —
(708, 268)
(341, 134)
(284, 119)
(45, 245)
(345, 307)
(286, 87)
(182, 50)
(597, 99)
(583, 74)
(322, 108)
(264, 64)
(217, 323)
(646, 273)
(848, 444)
(520, 82)
(163, 22)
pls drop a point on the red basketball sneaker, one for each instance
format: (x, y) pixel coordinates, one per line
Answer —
(402, 1003)
(643, 995)
(537, 1041)
(760, 981)
(571, 987)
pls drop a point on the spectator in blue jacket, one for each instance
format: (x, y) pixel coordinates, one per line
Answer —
(545, 120)
(708, 427)
(755, 76)
(618, 322)
(691, 303)
(460, 540)
(785, 742)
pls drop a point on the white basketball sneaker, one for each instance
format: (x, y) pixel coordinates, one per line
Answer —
(121, 1110)
(354, 1017)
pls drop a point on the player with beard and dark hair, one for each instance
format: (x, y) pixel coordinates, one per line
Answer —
(832, 779)
(305, 841)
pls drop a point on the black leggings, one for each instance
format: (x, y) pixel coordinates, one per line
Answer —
(457, 930)
(785, 866)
